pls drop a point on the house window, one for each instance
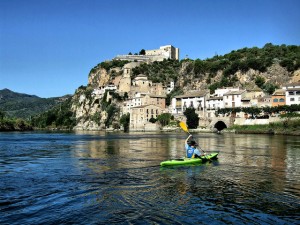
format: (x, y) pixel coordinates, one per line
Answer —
(275, 100)
(292, 99)
(297, 92)
(291, 93)
(281, 100)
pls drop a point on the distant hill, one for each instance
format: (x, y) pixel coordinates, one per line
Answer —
(18, 105)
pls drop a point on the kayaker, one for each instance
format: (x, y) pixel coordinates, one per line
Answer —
(191, 150)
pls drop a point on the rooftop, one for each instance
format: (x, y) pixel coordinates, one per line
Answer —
(193, 94)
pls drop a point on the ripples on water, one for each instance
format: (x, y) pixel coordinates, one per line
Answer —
(99, 178)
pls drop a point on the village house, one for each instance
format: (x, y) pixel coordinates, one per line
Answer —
(213, 104)
(170, 87)
(265, 101)
(195, 99)
(143, 99)
(233, 99)
(140, 116)
(292, 93)
(278, 97)
(157, 89)
(252, 97)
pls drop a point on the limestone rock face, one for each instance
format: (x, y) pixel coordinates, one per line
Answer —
(277, 74)
(98, 78)
(87, 109)
(296, 76)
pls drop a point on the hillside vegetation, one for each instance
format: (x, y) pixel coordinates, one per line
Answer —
(17, 105)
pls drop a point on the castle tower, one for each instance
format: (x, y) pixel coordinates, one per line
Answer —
(125, 82)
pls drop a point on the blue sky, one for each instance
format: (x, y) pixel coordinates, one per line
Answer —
(47, 48)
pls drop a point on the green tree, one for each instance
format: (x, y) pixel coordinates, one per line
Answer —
(164, 119)
(254, 111)
(152, 120)
(260, 81)
(125, 120)
(288, 64)
(111, 111)
(143, 52)
(269, 88)
(192, 119)
(200, 66)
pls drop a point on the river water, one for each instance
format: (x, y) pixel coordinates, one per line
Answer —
(115, 178)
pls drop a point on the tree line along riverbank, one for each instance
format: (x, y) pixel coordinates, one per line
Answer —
(285, 127)
(14, 125)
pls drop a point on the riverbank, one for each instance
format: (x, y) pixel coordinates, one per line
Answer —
(286, 127)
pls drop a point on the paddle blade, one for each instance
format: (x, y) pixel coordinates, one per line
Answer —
(183, 126)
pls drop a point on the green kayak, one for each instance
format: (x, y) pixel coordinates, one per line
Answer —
(189, 161)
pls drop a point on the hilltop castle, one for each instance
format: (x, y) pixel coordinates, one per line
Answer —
(164, 52)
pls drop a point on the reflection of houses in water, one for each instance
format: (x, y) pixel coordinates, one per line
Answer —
(128, 150)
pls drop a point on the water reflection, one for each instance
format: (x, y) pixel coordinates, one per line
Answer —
(106, 178)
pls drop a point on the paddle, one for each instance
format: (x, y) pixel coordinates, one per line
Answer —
(184, 127)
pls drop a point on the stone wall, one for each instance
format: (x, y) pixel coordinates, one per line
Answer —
(244, 121)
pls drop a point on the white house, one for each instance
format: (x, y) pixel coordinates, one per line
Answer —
(292, 93)
(213, 104)
(170, 87)
(195, 99)
(233, 99)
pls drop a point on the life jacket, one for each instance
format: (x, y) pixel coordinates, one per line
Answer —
(190, 152)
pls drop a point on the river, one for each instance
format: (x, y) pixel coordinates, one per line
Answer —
(115, 178)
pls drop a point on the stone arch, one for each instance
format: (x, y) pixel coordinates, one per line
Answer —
(220, 125)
